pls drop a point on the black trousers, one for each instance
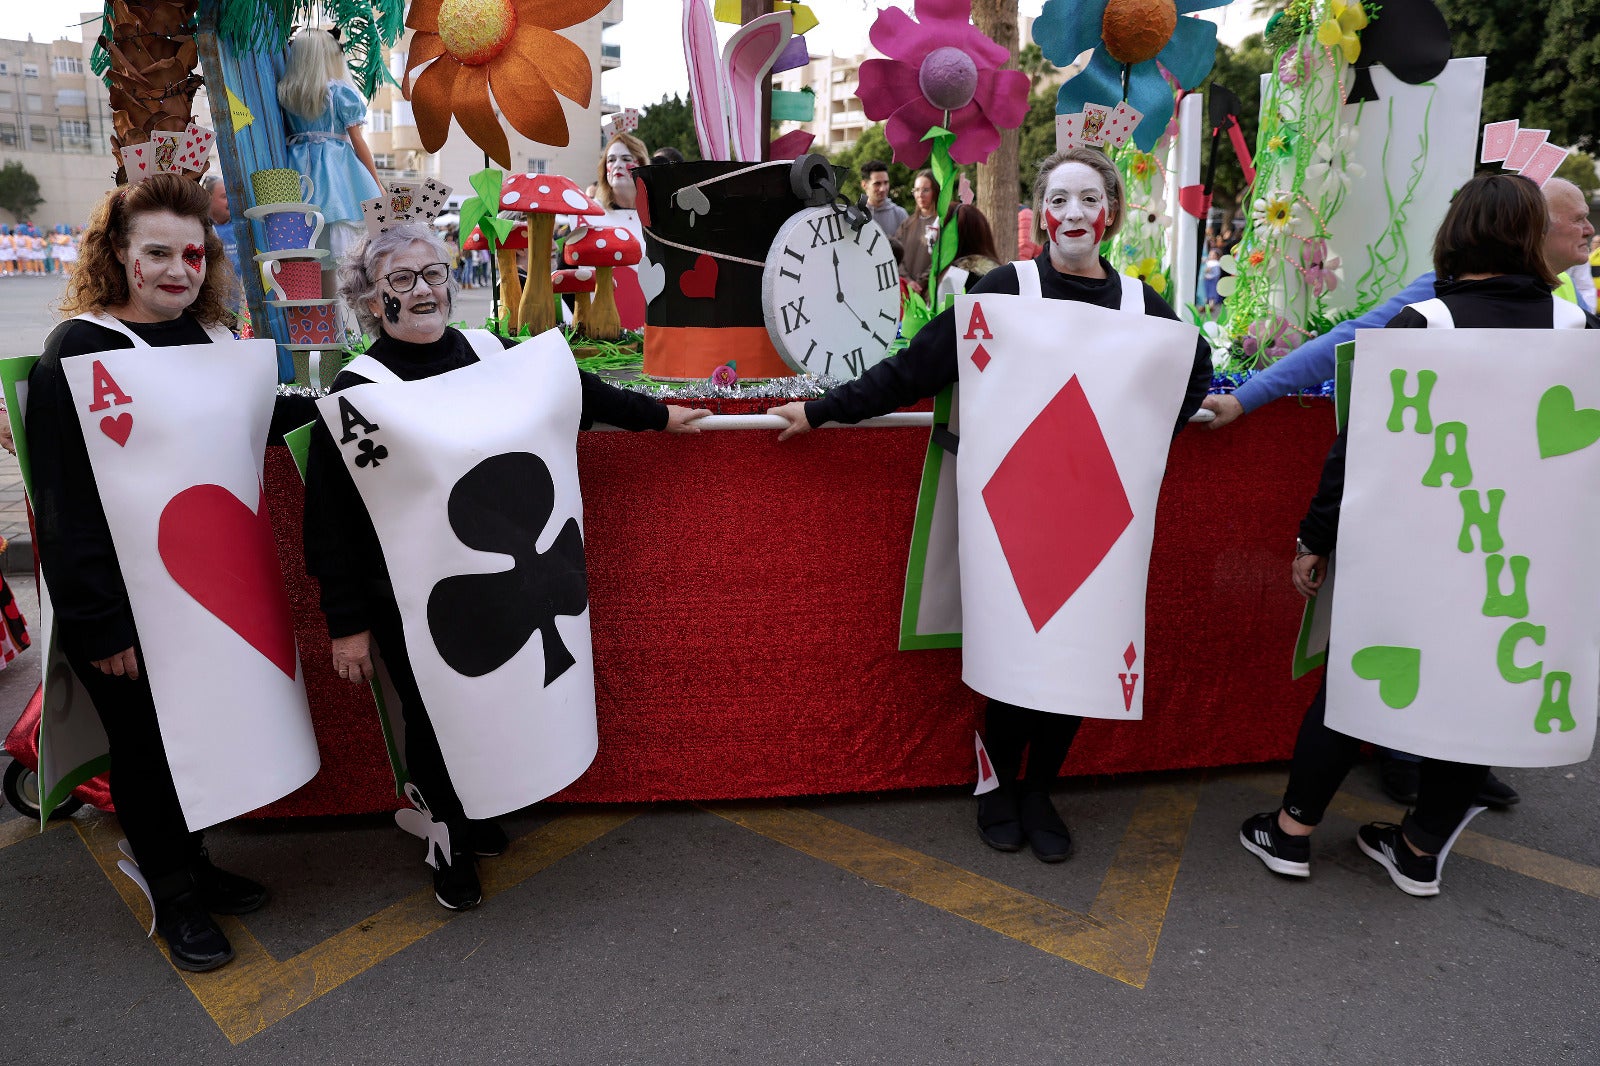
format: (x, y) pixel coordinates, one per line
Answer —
(424, 760)
(141, 779)
(1322, 757)
(1009, 729)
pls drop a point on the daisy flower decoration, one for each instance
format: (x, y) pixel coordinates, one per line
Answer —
(1275, 211)
(1232, 268)
(1319, 267)
(1146, 37)
(467, 49)
(1330, 164)
(1148, 270)
(941, 71)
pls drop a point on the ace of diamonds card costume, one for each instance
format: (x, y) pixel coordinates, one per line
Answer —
(145, 448)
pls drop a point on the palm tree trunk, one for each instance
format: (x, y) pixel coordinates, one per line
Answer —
(997, 179)
(152, 78)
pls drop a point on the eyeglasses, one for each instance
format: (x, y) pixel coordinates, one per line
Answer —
(406, 280)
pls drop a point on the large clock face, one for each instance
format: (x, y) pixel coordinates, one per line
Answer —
(830, 293)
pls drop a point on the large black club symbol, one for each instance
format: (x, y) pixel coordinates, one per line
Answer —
(480, 621)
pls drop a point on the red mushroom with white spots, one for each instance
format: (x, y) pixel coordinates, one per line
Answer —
(605, 248)
(542, 197)
(578, 281)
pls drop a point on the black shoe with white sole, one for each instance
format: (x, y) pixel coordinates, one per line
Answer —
(455, 882)
(1282, 853)
(1413, 874)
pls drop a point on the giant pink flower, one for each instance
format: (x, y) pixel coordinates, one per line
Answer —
(939, 62)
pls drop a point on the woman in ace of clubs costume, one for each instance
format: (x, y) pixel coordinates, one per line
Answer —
(1078, 197)
(150, 267)
(400, 287)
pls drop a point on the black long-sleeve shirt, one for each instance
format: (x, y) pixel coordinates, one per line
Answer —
(87, 591)
(341, 546)
(928, 363)
(1510, 301)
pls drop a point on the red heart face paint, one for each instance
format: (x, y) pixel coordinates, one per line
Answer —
(194, 257)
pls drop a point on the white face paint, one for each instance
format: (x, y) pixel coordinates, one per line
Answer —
(1077, 212)
(417, 316)
(619, 165)
(165, 264)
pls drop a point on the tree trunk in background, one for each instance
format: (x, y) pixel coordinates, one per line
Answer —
(152, 78)
(997, 179)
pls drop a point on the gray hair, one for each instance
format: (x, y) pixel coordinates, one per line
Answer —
(360, 271)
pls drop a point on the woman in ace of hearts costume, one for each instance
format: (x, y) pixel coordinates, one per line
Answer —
(1078, 197)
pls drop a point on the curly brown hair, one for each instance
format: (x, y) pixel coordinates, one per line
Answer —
(100, 282)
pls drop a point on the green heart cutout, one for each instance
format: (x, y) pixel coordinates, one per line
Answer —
(1563, 426)
(1398, 672)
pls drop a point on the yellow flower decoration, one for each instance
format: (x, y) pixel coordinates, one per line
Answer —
(1342, 28)
(1276, 212)
(1143, 165)
(1149, 272)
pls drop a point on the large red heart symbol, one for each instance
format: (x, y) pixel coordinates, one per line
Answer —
(117, 428)
(223, 554)
(701, 282)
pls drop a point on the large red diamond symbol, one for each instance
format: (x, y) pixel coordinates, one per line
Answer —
(980, 358)
(1057, 503)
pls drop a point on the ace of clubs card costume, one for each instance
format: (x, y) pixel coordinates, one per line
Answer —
(175, 437)
(1065, 413)
(471, 481)
(1466, 625)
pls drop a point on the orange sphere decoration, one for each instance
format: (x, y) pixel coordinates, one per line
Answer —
(1137, 30)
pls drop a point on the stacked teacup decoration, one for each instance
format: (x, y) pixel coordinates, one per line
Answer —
(291, 270)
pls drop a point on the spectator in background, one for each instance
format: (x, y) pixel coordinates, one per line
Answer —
(666, 154)
(916, 233)
(975, 252)
(222, 220)
(875, 201)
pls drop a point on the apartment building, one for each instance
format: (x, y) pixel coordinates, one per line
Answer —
(55, 120)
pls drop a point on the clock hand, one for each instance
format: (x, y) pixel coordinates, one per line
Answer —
(837, 284)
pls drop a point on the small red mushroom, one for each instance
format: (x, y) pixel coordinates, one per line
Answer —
(580, 282)
(605, 248)
(542, 197)
(474, 241)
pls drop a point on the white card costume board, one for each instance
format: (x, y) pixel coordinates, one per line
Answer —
(471, 481)
(1457, 636)
(1418, 142)
(180, 477)
(1062, 453)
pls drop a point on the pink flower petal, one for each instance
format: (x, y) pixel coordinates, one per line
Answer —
(976, 137)
(947, 10)
(899, 36)
(905, 130)
(886, 85)
(1003, 96)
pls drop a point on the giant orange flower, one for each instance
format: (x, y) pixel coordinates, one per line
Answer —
(471, 47)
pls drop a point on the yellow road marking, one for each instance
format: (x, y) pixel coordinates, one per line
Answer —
(1118, 935)
(255, 990)
(1517, 858)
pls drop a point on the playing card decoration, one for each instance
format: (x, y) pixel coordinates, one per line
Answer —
(1463, 624)
(405, 203)
(179, 473)
(1138, 44)
(1060, 462)
(624, 121)
(509, 47)
(486, 556)
(1522, 151)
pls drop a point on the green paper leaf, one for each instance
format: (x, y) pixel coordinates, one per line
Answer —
(486, 183)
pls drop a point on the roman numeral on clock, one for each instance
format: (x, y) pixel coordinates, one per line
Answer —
(785, 271)
(888, 276)
(825, 230)
(855, 361)
(877, 235)
(794, 315)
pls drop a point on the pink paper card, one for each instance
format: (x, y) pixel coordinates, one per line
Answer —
(1120, 125)
(1523, 146)
(1543, 165)
(1497, 138)
(1069, 131)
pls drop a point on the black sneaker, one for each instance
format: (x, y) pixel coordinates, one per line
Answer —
(1047, 834)
(997, 820)
(1496, 793)
(1282, 853)
(1415, 875)
(455, 882)
(1399, 779)
(192, 936)
(487, 838)
(224, 893)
